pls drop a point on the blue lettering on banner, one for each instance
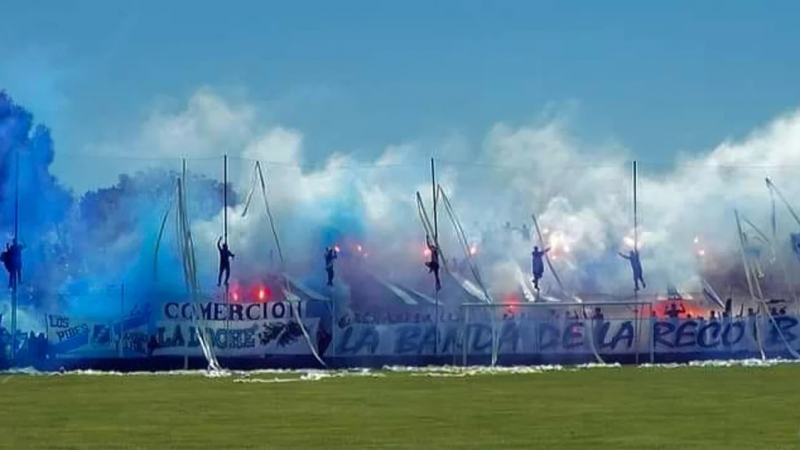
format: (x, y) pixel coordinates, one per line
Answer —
(660, 331)
(356, 339)
(708, 335)
(732, 327)
(249, 311)
(405, 337)
(479, 338)
(220, 338)
(232, 311)
(171, 310)
(783, 325)
(684, 335)
(625, 333)
(355, 335)
(58, 321)
(452, 340)
(73, 332)
(548, 336)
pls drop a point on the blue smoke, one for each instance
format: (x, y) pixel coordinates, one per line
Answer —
(78, 249)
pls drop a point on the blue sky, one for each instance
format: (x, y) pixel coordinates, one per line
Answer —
(658, 76)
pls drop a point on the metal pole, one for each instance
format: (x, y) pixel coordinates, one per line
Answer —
(182, 237)
(436, 242)
(16, 194)
(225, 234)
(225, 197)
(651, 333)
(465, 335)
(15, 275)
(636, 249)
(635, 220)
(635, 212)
(121, 320)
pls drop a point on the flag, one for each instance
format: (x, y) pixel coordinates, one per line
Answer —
(712, 296)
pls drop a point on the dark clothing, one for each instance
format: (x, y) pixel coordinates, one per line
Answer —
(225, 256)
(636, 267)
(433, 264)
(673, 312)
(330, 256)
(6, 259)
(433, 267)
(537, 265)
(12, 260)
(224, 268)
(329, 271)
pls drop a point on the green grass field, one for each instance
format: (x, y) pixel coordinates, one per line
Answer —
(623, 408)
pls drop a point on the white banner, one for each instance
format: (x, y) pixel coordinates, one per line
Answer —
(239, 338)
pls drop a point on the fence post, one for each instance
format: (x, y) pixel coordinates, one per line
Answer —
(122, 320)
(465, 335)
(651, 322)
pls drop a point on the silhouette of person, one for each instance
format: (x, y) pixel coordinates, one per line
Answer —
(537, 265)
(5, 257)
(673, 312)
(13, 262)
(225, 256)
(636, 266)
(330, 255)
(433, 264)
(525, 231)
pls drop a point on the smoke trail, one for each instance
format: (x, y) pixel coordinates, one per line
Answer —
(579, 190)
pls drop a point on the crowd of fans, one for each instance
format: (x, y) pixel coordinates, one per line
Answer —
(31, 350)
(673, 310)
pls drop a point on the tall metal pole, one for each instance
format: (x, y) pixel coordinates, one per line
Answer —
(636, 249)
(14, 297)
(182, 237)
(122, 320)
(635, 212)
(16, 193)
(225, 237)
(225, 197)
(436, 242)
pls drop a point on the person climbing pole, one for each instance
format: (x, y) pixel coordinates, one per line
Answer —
(525, 231)
(225, 256)
(5, 257)
(330, 255)
(15, 258)
(636, 266)
(433, 264)
(537, 264)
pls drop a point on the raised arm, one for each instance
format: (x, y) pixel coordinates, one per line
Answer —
(546, 250)
(219, 243)
(624, 256)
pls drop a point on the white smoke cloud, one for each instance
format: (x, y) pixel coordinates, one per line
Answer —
(580, 191)
(209, 125)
